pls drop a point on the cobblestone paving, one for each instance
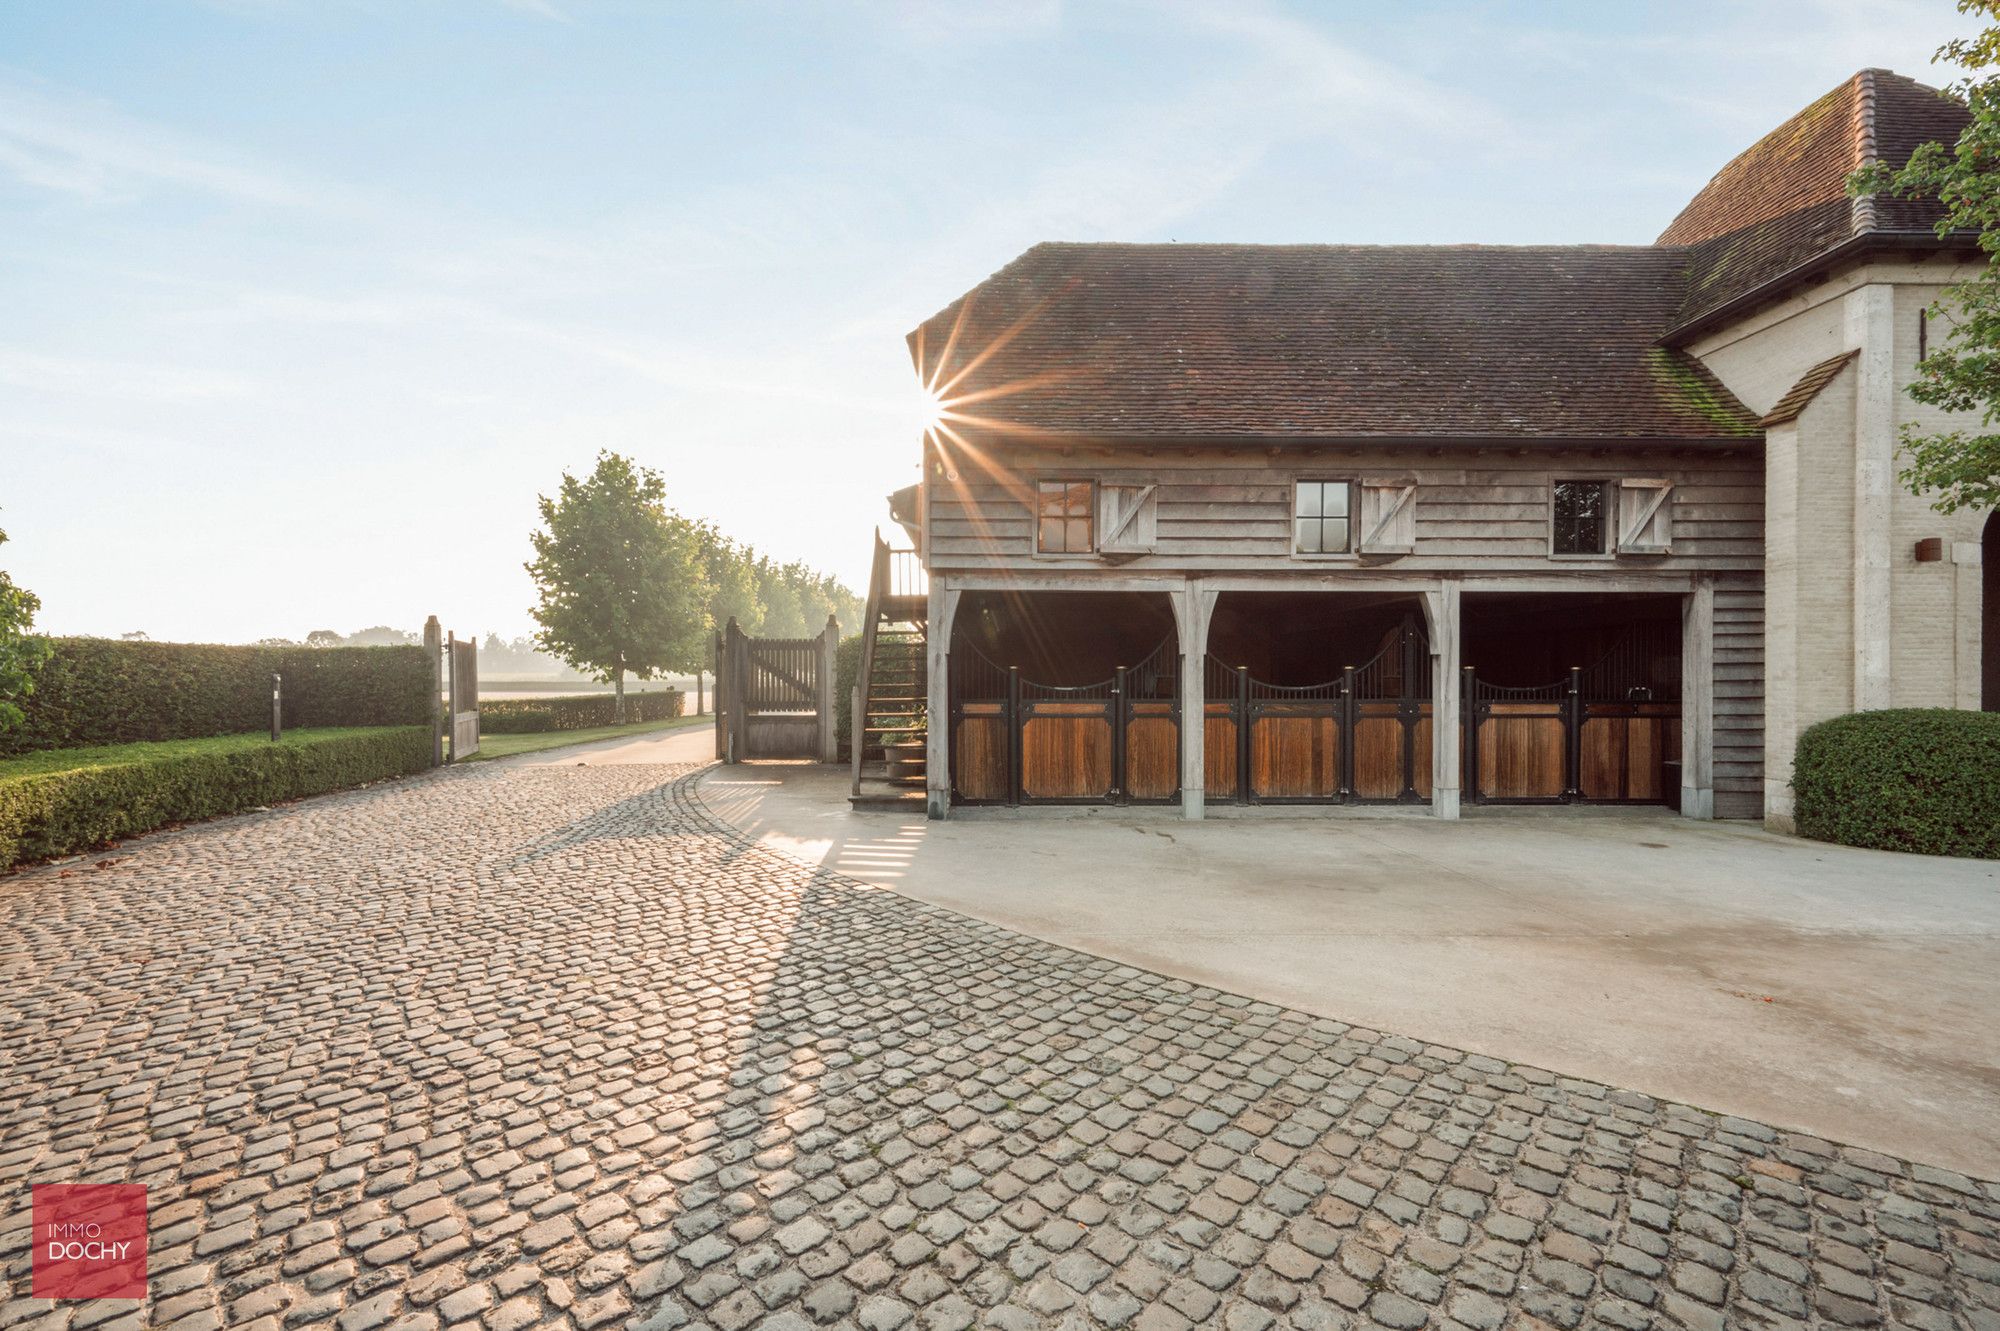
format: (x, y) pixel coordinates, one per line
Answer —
(549, 1047)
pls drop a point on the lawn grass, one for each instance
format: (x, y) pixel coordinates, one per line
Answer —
(506, 746)
(115, 755)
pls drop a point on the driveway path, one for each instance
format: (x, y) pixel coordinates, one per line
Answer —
(523, 1046)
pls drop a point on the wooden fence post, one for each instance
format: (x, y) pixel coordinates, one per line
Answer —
(829, 652)
(434, 644)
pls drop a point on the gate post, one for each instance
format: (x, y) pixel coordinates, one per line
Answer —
(829, 646)
(1193, 606)
(720, 730)
(1573, 738)
(733, 655)
(1344, 736)
(1467, 715)
(1013, 734)
(1118, 757)
(434, 644)
(1242, 733)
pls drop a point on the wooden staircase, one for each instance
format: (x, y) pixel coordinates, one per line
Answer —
(890, 701)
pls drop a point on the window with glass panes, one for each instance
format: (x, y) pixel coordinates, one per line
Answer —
(1582, 517)
(1320, 516)
(1063, 512)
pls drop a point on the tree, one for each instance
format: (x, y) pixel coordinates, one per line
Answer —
(322, 638)
(21, 651)
(136, 635)
(1962, 466)
(621, 582)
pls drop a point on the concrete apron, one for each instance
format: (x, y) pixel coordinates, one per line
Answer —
(1847, 994)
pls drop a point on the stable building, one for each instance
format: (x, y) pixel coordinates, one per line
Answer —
(1236, 525)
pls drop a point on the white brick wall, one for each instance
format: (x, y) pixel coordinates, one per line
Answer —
(1814, 584)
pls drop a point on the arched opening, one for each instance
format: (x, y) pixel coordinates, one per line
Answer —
(1989, 615)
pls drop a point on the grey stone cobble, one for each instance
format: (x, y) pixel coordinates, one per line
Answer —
(551, 1047)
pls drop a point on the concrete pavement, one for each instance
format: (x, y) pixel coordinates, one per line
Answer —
(1852, 994)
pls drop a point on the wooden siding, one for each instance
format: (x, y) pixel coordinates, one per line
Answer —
(1739, 696)
(1230, 509)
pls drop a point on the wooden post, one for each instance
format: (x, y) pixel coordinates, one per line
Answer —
(940, 610)
(434, 644)
(720, 726)
(1443, 608)
(277, 707)
(733, 663)
(1469, 707)
(451, 676)
(1013, 734)
(697, 691)
(1698, 701)
(829, 712)
(1193, 607)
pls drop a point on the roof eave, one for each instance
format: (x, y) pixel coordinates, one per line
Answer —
(1059, 439)
(1848, 250)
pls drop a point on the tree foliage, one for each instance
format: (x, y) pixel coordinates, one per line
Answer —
(621, 580)
(21, 651)
(1960, 467)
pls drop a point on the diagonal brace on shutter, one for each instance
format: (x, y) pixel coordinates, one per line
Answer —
(1404, 494)
(1134, 501)
(1641, 519)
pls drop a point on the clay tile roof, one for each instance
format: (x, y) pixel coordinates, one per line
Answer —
(1783, 201)
(1806, 389)
(1218, 341)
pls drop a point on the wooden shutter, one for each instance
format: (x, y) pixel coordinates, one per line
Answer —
(1128, 520)
(1645, 517)
(1387, 513)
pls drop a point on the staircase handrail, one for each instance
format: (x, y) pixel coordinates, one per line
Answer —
(878, 576)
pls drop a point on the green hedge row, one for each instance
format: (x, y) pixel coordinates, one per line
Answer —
(56, 803)
(1917, 779)
(96, 691)
(525, 716)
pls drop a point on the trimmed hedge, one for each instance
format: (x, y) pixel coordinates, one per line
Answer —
(62, 801)
(1925, 780)
(94, 691)
(532, 716)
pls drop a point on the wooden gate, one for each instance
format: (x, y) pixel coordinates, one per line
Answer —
(774, 696)
(464, 671)
(1362, 737)
(1020, 741)
(1608, 733)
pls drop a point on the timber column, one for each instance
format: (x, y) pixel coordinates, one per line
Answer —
(1698, 699)
(1193, 607)
(1441, 607)
(941, 603)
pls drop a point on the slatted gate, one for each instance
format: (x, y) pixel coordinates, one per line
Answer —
(774, 696)
(463, 664)
(1607, 733)
(1021, 741)
(1362, 737)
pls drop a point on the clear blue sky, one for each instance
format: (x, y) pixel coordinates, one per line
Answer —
(305, 300)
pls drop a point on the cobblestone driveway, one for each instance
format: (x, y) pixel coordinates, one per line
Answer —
(548, 1046)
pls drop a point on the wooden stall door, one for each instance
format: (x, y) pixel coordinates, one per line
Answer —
(1521, 752)
(1152, 752)
(1066, 751)
(979, 752)
(1625, 752)
(1218, 756)
(1294, 752)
